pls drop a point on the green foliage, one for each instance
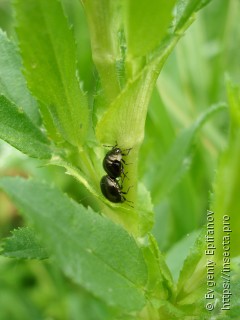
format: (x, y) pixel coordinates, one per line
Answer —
(18, 130)
(79, 242)
(178, 158)
(226, 202)
(109, 252)
(12, 82)
(178, 253)
(104, 25)
(150, 23)
(23, 244)
(50, 65)
(185, 10)
(194, 265)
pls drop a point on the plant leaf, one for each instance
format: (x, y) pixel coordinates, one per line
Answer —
(194, 277)
(178, 158)
(160, 284)
(23, 244)
(226, 202)
(17, 129)
(176, 255)
(48, 52)
(90, 249)
(148, 21)
(124, 120)
(12, 83)
(193, 272)
(104, 20)
(185, 9)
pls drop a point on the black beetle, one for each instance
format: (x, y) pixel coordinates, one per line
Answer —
(112, 190)
(113, 162)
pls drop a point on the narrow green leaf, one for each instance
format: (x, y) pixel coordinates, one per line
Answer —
(200, 274)
(23, 244)
(17, 129)
(226, 200)
(234, 102)
(185, 9)
(177, 254)
(12, 83)
(160, 284)
(48, 52)
(125, 119)
(193, 273)
(104, 20)
(178, 159)
(146, 24)
(90, 249)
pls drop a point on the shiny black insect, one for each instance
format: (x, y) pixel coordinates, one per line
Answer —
(113, 162)
(112, 190)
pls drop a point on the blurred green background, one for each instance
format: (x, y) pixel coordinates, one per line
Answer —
(192, 80)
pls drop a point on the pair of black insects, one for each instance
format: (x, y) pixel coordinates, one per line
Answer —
(113, 165)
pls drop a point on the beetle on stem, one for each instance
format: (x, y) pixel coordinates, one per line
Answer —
(113, 162)
(112, 190)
